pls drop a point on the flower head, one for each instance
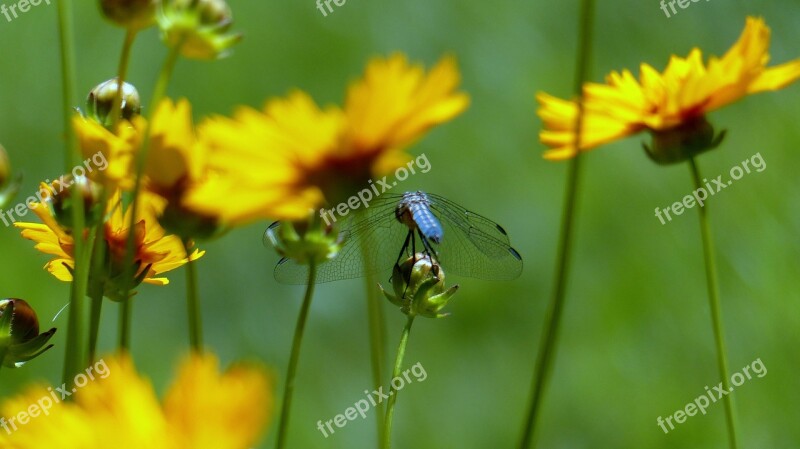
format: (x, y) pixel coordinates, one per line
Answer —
(295, 156)
(199, 27)
(20, 339)
(666, 103)
(118, 148)
(155, 251)
(419, 287)
(203, 409)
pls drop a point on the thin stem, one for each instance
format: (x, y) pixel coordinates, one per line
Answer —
(550, 332)
(398, 367)
(716, 314)
(283, 424)
(193, 302)
(122, 73)
(73, 358)
(377, 340)
(125, 311)
(141, 159)
(94, 323)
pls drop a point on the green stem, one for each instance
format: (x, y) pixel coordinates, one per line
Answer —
(193, 302)
(550, 333)
(716, 314)
(73, 358)
(398, 366)
(94, 323)
(377, 340)
(122, 73)
(125, 311)
(283, 423)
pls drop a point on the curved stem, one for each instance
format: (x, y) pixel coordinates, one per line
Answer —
(73, 358)
(550, 332)
(193, 302)
(716, 314)
(398, 366)
(283, 424)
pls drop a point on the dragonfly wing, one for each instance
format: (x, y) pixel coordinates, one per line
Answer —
(473, 245)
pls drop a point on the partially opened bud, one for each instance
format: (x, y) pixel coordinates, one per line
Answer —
(60, 200)
(198, 27)
(419, 287)
(304, 241)
(100, 102)
(130, 14)
(20, 339)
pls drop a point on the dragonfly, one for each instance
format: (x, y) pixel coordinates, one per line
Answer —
(462, 242)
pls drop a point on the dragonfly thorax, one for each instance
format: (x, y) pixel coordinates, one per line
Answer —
(414, 211)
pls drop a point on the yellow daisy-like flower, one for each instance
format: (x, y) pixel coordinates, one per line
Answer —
(156, 252)
(117, 408)
(119, 149)
(295, 156)
(660, 102)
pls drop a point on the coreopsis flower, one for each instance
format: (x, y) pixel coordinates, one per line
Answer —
(156, 252)
(671, 105)
(176, 164)
(198, 27)
(119, 148)
(117, 407)
(295, 156)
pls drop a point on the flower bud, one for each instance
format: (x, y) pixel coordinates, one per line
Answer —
(130, 14)
(188, 224)
(304, 241)
(682, 142)
(101, 100)
(419, 287)
(60, 199)
(199, 27)
(20, 339)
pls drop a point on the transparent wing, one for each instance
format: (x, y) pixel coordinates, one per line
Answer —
(473, 245)
(372, 239)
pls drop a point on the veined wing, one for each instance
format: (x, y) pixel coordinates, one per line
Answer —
(473, 245)
(372, 239)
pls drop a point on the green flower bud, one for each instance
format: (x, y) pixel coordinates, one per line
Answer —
(199, 27)
(130, 14)
(61, 203)
(20, 339)
(304, 241)
(419, 287)
(683, 142)
(101, 100)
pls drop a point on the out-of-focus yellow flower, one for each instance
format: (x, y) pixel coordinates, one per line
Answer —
(119, 149)
(660, 102)
(203, 409)
(295, 156)
(155, 251)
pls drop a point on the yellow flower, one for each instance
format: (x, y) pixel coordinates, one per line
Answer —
(660, 102)
(154, 249)
(295, 156)
(119, 149)
(117, 408)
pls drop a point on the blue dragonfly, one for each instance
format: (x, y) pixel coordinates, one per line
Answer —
(460, 241)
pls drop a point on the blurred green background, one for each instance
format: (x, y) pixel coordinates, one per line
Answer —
(636, 339)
